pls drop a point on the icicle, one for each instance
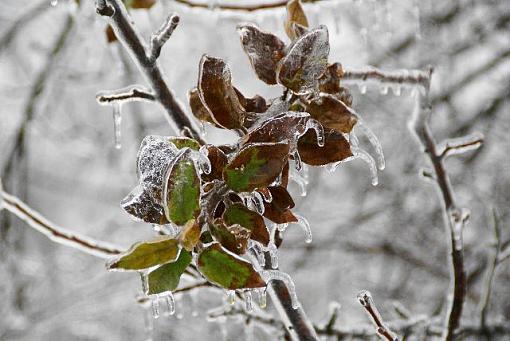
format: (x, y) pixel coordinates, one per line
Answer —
(117, 120)
(362, 88)
(374, 141)
(397, 89)
(53, 3)
(145, 282)
(170, 304)
(363, 155)
(383, 89)
(155, 306)
(201, 128)
(301, 184)
(270, 275)
(258, 202)
(259, 253)
(262, 298)
(231, 297)
(203, 160)
(297, 161)
(248, 300)
(148, 322)
(416, 13)
(319, 130)
(273, 253)
(305, 225)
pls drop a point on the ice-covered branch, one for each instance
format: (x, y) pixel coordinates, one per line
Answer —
(159, 38)
(130, 38)
(416, 77)
(54, 232)
(130, 93)
(460, 145)
(365, 299)
(455, 216)
(231, 7)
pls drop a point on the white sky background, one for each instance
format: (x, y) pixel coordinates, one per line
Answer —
(77, 178)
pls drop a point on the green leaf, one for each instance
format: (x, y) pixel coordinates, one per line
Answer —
(146, 254)
(256, 165)
(182, 190)
(251, 220)
(295, 15)
(166, 277)
(183, 142)
(228, 270)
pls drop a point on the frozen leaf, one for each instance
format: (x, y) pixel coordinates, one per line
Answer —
(233, 237)
(329, 82)
(184, 142)
(182, 190)
(332, 113)
(278, 210)
(295, 17)
(217, 93)
(255, 105)
(287, 126)
(251, 220)
(228, 270)
(264, 50)
(146, 254)
(198, 108)
(256, 165)
(305, 62)
(285, 175)
(218, 161)
(167, 276)
(336, 148)
(154, 156)
(141, 206)
(190, 235)
(140, 4)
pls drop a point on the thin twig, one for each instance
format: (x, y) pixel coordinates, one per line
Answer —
(56, 233)
(365, 299)
(130, 93)
(417, 77)
(130, 38)
(242, 8)
(159, 38)
(455, 216)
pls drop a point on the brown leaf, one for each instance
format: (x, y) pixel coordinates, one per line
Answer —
(256, 165)
(256, 104)
(278, 210)
(110, 35)
(305, 61)
(336, 148)
(233, 238)
(329, 82)
(332, 113)
(190, 235)
(140, 4)
(285, 175)
(264, 50)
(198, 108)
(141, 206)
(218, 162)
(295, 17)
(217, 93)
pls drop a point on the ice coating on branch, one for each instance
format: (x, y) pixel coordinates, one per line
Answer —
(248, 300)
(117, 120)
(374, 141)
(460, 145)
(272, 275)
(305, 225)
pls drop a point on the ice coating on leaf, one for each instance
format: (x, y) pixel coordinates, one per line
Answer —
(319, 130)
(141, 207)
(272, 275)
(296, 18)
(254, 201)
(305, 225)
(335, 148)
(264, 50)
(154, 156)
(305, 62)
(117, 121)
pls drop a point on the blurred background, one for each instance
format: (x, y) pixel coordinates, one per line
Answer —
(57, 153)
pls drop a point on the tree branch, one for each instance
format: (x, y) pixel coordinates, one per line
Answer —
(125, 30)
(242, 8)
(418, 77)
(130, 93)
(365, 299)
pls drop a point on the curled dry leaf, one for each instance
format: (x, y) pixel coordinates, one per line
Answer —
(256, 165)
(278, 210)
(168, 276)
(336, 148)
(305, 62)
(232, 237)
(296, 17)
(147, 254)
(332, 113)
(241, 215)
(218, 161)
(198, 108)
(264, 50)
(182, 190)
(217, 93)
(227, 270)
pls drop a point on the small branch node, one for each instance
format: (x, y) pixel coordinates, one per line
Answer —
(128, 94)
(160, 37)
(460, 145)
(365, 299)
(104, 9)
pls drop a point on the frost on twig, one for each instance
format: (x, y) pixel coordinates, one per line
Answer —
(159, 38)
(365, 299)
(416, 77)
(128, 94)
(460, 145)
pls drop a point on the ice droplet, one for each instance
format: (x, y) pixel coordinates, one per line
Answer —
(155, 306)
(53, 3)
(362, 88)
(384, 89)
(319, 130)
(271, 275)
(248, 300)
(305, 225)
(170, 303)
(117, 120)
(231, 297)
(262, 297)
